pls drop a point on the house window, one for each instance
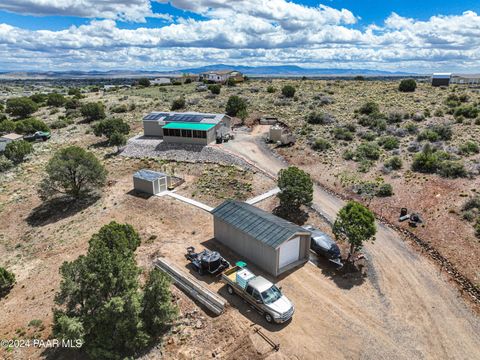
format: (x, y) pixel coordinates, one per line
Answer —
(187, 133)
(166, 132)
(199, 134)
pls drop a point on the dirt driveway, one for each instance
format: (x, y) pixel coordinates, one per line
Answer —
(405, 310)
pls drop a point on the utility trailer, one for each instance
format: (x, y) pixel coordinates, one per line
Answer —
(260, 293)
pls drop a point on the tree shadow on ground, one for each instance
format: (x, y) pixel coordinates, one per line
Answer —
(57, 209)
(346, 277)
(298, 217)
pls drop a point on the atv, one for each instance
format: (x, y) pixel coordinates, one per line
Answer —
(207, 261)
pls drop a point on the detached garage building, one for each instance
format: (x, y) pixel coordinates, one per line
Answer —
(150, 182)
(270, 242)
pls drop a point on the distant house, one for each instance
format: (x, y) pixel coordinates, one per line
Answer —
(464, 79)
(441, 79)
(161, 81)
(222, 76)
(187, 127)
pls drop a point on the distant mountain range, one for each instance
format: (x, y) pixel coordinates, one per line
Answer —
(260, 71)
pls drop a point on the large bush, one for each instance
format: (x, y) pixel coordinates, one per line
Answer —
(342, 133)
(369, 108)
(177, 104)
(288, 91)
(30, 126)
(7, 126)
(321, 118)
(468, 111)
(144, 82)
(113, 129)
(389, 142)
(74, 172)
(394, 163)
(428, 160)
(56, 100)
(93, 111)
(407, 85)
(368, 150)
(21, 107)
(16, 151)
(214, 89)
(235, 105)
(7, 280)
(39, 98)
(321, 145)
(451, 169)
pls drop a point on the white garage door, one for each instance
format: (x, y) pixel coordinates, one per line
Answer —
(289, 252)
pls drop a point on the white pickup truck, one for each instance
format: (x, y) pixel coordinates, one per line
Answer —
(260, 293)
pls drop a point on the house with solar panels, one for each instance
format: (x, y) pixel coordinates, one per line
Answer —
(187, 128)
(272, 243)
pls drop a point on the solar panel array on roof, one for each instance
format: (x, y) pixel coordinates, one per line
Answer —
(149, 175)
(182, 117)
(154, 116)
(263, 226)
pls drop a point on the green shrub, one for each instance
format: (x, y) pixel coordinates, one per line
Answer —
(451, 169)
(369, 136)
(319, 118)
(144, 82)
(385, 190)
(477, 228)
(435, 133)
(368, 108)
(93, 111)
(30, 125)
(55, 100)
(178, 104)
(21, 107)
(7, 126)
(39, 98)
(118, 109)
(395, 117)
(114, 129)
(438, 113)
(418, 117)
(469, 148)
(389, 142)
(321, 145)
(5, 164)
(214, 89)
(342, 133)
(428, 160)
(394, 163)
(189, 81)
(61, 123)
(429, 135)
(7, 280)
(411, 128)
(72, 104)
(288, 91)
(367, 150)
(16, 151)
(407, 85)
(235, 105)
(231, 82)
(468, 111)
(472, 203)
(271, 89)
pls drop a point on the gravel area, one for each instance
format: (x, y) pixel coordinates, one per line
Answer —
(143, 147)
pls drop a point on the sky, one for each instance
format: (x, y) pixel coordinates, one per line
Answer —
(421, 36)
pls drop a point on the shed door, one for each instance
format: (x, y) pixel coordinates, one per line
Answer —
(289, 252)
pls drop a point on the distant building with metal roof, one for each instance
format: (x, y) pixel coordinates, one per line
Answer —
(441, 79)
(187, 127)
(150, 182)
(11, 137)
(272, 243)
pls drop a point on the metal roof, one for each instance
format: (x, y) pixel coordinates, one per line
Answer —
(261, 225)
(186, 117)
(11, 136)
(441, 75)
(149, 175)
(188, 126)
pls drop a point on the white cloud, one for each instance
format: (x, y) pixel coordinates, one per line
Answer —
(258, 32)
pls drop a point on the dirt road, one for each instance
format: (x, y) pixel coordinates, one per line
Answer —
(405, 310)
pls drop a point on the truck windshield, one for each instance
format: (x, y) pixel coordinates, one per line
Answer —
(271, 295)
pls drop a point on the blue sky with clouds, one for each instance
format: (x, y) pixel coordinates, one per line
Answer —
(420, 36)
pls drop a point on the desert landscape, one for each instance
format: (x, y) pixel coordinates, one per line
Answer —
(408, 305)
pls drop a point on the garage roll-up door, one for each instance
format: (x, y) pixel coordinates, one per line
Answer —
(289, 252)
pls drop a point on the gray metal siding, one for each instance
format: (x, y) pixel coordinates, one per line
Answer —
(185, 140)
(265, 257)
(152, 128)
(143, 185)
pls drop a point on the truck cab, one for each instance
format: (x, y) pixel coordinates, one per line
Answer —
(262, 294)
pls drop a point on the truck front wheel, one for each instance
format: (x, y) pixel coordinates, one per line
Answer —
(269, 318)
(230, 290)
